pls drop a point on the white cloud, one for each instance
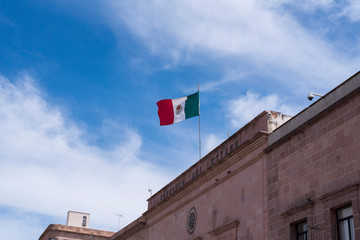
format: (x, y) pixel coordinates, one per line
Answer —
(245, 108)
(306, 5)
(314, 4)
(352, 10)
(211, 141)
(234, 33)
(229, 77)
(12, 221)
(47, 168)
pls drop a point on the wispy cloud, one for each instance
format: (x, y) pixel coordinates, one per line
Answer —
(12, 221)
(211, 141)
(230, 76)
(243, 109)
(352, 10)
(45, 159)
(306, 5)
(234, 33)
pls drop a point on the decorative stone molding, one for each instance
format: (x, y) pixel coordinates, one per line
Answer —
(300, 207)
(134, 227)
(224, 228)
(262, 124)
(259, 139)
(77, 230)
(191, 220)
(346, 189)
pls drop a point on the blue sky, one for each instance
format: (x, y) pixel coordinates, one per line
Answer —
(79, 82)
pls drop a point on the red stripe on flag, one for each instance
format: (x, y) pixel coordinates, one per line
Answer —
(165, 112)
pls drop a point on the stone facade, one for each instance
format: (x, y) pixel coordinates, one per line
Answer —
(272, 177)
(316, 169)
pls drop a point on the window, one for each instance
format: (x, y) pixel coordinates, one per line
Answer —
(302, 231)
(84, 221)
(345, 223)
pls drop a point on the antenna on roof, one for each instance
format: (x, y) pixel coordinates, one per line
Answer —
(120, 216)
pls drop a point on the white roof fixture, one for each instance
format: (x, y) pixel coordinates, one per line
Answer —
(311, 95)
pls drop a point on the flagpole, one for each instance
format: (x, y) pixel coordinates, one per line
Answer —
(199, 123)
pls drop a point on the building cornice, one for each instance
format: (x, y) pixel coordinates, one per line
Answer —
(297, 208)
(338, 96)
(265, 122)
(341, 191)
(131, 229)
(224, 228)
(77, 230)
(248, 147)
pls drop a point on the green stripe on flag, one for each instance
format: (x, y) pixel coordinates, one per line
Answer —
(192, 105)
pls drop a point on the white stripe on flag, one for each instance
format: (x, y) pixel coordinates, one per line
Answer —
(179, 109)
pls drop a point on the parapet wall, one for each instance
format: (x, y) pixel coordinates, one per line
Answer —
(63, 232)
(267, 121)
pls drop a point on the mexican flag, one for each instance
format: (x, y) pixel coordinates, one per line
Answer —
(176, 110)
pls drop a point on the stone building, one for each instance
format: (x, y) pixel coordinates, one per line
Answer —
(276, 178)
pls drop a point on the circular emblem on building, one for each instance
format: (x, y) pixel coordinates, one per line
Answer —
(191, 220)
(179, 109)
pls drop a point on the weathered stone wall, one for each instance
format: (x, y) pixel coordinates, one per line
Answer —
(266, 121)
(315, 171)
(229, 201)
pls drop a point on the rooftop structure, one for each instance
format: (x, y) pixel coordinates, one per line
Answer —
(78, 219)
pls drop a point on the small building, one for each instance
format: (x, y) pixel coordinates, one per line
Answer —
(78, 219)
